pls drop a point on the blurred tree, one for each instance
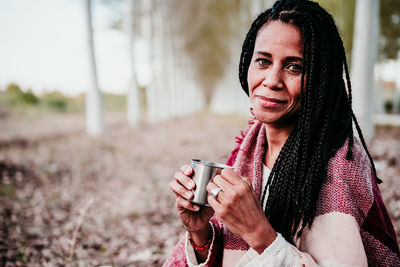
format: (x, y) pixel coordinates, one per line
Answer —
(132, 22)
(389, 40)
(117, 13)
(206, 29)
(13, 93)
(14, 96)
(389, 43)
(228, 97)
(56, 101)
(172, 89)
(343, 13)
(194, 44)
(94, 100)
(30, 98)
(125, 15)
(364, 56)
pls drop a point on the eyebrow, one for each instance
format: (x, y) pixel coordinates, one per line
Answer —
(263, 53)
(287, 59)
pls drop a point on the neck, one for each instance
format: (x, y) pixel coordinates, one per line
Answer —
(276, 138)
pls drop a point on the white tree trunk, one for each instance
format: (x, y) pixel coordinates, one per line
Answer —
(363, 60)
(134, 103)
(172, 90)
(379, 100)
(171, 68)
(151, 35)
(147, 35)
(94, 99)
(164, 90)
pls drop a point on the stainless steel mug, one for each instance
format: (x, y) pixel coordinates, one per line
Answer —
(204, 171)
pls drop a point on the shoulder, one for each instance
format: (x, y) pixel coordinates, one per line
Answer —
(348, 185)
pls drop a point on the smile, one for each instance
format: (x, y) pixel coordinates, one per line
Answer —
(270, 102)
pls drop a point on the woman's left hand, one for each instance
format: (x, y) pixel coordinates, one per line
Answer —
(240, 210)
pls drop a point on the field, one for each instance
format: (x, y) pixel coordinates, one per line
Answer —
(69, 199)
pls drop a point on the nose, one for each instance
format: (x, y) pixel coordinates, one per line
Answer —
(273, 78)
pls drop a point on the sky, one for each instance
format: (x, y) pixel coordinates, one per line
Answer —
(43, 47)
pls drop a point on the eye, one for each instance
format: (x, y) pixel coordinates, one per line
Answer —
(263, 62)
(295, 68)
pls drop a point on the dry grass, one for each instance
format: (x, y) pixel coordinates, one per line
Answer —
(67, 199)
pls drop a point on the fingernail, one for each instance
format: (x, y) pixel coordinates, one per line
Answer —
(196, 208)
(189, 195)
(187, 170)
(191, 184)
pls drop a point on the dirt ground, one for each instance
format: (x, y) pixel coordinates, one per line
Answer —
(68, 199)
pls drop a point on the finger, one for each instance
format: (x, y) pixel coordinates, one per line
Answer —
(187, 170)
(220, 197)
(180, 190)
(210, 186)
(213, 202)
(182, 203)
(234, 178)
(184, 180)
(231, 176)
(222, 183)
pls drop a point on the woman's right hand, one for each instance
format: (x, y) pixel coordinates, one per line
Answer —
(194, 218)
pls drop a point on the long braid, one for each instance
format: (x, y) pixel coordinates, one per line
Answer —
(349, 91)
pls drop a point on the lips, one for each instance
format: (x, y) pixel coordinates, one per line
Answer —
(270, 102)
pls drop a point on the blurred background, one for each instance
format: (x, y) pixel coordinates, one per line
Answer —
(101, 101)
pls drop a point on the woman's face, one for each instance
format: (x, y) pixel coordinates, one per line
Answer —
(274, 75)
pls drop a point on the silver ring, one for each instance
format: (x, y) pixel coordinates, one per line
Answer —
(214, 193)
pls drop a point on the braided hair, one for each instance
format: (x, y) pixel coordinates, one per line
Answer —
(324, 120)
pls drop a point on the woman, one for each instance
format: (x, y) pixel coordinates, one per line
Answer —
(303, 190)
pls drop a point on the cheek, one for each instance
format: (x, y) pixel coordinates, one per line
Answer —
(250, 77)
(295, 99)
(295, 88)
(254, 77)
(251, 98)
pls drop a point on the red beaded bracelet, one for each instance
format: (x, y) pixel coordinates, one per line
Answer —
(200, 248)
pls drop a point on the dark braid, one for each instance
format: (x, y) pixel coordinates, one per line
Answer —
(324, 121)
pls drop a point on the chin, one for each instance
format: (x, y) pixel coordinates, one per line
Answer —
(266, 118)
(277, 119)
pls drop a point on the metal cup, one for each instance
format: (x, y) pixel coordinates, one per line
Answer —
(204, 171)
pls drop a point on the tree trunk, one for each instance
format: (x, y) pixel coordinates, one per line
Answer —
(363, 61)
(149, 34)
(134, 103)
(94, 100)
